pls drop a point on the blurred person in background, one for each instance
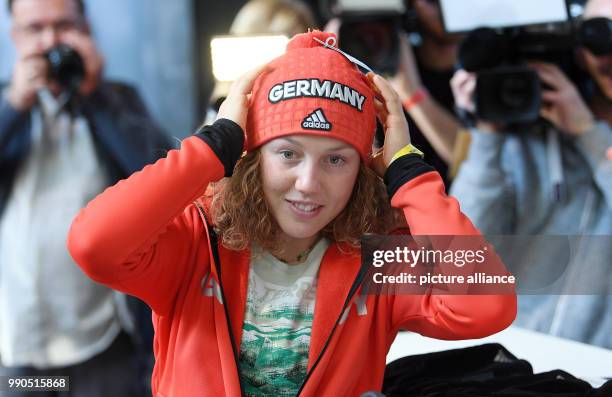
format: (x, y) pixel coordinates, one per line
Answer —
(551, 180)
(57, 152)
(263, 17)
(423, 84)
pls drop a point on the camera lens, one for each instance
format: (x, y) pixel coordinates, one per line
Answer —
(65, 66)
(596, 35)
(483, 48)
(514, 92)
(509, 94)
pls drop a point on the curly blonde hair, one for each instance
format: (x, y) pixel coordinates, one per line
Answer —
(241, 214)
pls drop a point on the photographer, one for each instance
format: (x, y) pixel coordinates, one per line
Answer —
(423, 83)
(551, 179)
(59, 148)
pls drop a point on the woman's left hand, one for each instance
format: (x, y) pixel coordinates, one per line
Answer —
(393, 120)
(407, 80)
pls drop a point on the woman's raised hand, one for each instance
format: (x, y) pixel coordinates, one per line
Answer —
(391, 115)
(236, 105)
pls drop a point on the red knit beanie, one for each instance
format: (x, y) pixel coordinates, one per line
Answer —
(313, 90)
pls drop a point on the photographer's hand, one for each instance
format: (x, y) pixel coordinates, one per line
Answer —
(562, 104)
(463, 85)
(437, 124)
(394, 122)
(29, 76)
(93, 61)
(407, 80)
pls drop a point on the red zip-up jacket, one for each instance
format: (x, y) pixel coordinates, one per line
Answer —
(145, 237)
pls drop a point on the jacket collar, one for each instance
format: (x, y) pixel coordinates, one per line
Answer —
(339, 268)
(336, 275)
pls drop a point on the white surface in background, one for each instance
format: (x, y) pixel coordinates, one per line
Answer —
(369, 5)
(234, 56)
(465, 15)
(544, 352)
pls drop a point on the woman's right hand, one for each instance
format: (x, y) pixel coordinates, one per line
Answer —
(236, 105)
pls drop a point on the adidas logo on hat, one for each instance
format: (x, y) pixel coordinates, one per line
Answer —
(316, 121)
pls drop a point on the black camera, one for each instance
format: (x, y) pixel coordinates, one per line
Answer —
(370, 31)
(65, 67)
(507, 90)
(596, 35)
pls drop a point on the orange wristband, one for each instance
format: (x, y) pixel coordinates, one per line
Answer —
(419, 96)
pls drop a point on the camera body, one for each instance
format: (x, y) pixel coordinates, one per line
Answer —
(370, 31)
(518, 31)
(507, 90)
(65, 67)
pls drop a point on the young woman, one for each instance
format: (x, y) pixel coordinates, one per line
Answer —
(255, 281)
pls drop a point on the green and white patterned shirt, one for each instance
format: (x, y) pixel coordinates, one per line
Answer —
(278, 323)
